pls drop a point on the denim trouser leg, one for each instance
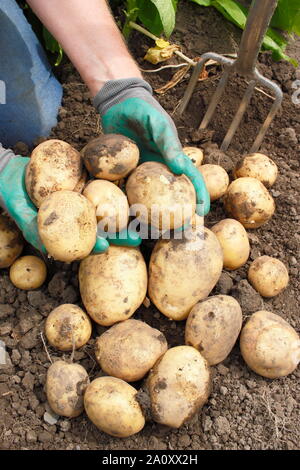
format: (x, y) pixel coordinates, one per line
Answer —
(30, 95)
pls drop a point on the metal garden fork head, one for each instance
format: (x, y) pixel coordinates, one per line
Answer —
(259, 18)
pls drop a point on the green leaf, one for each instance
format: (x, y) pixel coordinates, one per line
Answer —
(52, 46)
(166, 13)
(287, 16)
(205, 3)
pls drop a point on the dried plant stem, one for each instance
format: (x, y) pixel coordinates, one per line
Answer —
(45, 347)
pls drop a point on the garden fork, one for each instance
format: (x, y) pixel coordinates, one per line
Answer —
(259, 17)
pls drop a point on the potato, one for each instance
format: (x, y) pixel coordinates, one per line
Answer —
(169, 201)
(213, 326)
(268, 276)
(111, 405)
(110, 156)
(178, 385)
(67, 225)
(28, 272)
(234, 241)
(65, 386)
(66, 325)
(11, 242)
(113, 284)
(259, 166)
(54, 166)
(248, 201)
(269, 345)
(216, 180)
(195, 154)
(129, 349)
(182, 272)
(111, 204)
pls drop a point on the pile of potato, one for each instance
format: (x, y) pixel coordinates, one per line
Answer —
(74, 192)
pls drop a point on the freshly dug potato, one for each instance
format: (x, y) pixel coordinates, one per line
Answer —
(110, 202)
(169, 200)
(110, 156)
(67, 225)
(259, 166)
(213, 326)
(216, 180)
(195, 154)
(234, 241)
(111, 405)
(248, 201)
(66, 325)
(11, 242)
(65, 387)
(54, 166)
(269, 345)
(178, 385)
(268, 276)
(129, 349)
(182, 272)
(113, 284)
(28, 272)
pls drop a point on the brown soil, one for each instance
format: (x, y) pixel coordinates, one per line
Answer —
(244, 411)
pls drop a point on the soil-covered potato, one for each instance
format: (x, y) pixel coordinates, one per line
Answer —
(11, 242)
(111, 405)
(268, 276)
(28, 272)
(113, 284)
(65, 387)
(54, 166)
(168, 200)
(259, 166)
(129, 349)
(67, 225)
(248, 201)
(213, 326)
(234, 241)
(111, 204)
(178, 385)
(68, 325)
(269, 345)
(110, 156)
(216, 180)
(195, 154)
(182, 272)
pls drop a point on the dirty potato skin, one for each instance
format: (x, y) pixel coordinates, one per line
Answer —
(28, 272)
(11, 242)
(110, 202)
(216, 180)
(169, 200)
(268, 276)
(113, 284)
(66, 324)
(65, 387)
(234, 241)
(213, 326)
(182, 272)
(111, 405)
(110, 156)
(259, 166)
(67, 225)
(195, 154)
(248, 201)
(179, 384)
(269, 345)
(54, 166)
(129, 349)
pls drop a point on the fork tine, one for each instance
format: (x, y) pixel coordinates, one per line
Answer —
(238, 116)
(215, 100)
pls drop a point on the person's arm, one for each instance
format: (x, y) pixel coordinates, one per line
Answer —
(88, 34)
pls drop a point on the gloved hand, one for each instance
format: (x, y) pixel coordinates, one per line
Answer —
(15, 200)
(127, 107)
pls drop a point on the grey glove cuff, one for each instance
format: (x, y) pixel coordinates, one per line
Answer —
(5, 156)
(116, 91)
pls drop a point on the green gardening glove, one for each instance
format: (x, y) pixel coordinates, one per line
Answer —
(127, 107)
(15, 200)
